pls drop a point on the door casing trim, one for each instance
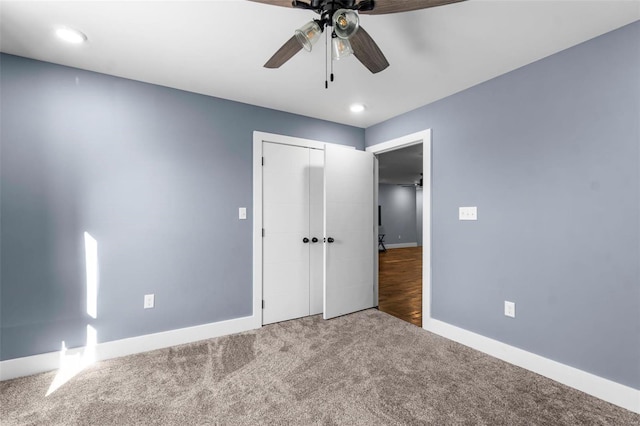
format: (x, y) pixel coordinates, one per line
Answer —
(423, 137)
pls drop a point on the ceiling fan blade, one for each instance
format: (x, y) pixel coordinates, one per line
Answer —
(392, 6)
(367, 51)
(283, 3)
(286, 52)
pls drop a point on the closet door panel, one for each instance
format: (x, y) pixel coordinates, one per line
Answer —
(285, 212)
(349, 229)
(316, 225)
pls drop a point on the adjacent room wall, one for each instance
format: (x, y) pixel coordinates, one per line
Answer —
(550, 155)
(419, 215)
(155, 175)
(398, 213)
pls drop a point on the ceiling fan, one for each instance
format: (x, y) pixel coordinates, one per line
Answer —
(347, 36)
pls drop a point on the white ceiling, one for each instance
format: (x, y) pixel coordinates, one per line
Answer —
(218, 48)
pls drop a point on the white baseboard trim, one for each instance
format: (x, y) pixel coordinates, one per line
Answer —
(401, 245)
(607, 390)
(29, 365)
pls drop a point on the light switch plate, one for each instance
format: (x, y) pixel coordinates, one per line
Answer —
(242, 213)
(468, 213)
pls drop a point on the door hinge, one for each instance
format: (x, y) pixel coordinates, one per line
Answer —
(263, 304)
(263, 161)
(263, 232)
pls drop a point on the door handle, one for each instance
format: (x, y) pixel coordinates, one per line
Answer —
(305, 240)
(330, 240)
(314, 240)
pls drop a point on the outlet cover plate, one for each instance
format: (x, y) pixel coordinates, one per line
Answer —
(149, 301)
(509, 309)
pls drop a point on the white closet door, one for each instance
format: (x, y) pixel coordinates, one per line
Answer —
(316, 223)
(349, 213)
(285, 213)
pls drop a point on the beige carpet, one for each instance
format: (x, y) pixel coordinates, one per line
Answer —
(366, 368)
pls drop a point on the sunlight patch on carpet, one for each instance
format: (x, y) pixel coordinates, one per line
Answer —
(73, 361)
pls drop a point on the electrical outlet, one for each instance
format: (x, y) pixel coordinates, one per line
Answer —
(509, 309)
(149, 301)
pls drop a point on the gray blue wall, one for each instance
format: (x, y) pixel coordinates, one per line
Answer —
(398, 205)
(550, 155)
(155, 175)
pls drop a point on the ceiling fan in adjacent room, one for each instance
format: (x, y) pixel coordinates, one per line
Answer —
(347, 36)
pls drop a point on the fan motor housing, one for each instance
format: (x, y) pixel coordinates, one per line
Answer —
(325, 5)
(332, 4)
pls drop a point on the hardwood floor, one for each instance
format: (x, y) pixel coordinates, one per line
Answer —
(400, 283)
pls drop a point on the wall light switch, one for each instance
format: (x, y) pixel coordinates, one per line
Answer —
(468, 213)
(149, 301)
(509, 309)
(242, 213)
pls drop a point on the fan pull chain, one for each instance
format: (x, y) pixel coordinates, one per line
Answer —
(332, 67)
(326, 66)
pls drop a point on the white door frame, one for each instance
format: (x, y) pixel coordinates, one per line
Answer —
(258, 139)
(423, 137)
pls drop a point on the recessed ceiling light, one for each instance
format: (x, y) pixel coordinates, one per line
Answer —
(356, 108)
(70, 35)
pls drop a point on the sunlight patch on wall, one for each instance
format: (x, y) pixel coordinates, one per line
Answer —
(91, 262)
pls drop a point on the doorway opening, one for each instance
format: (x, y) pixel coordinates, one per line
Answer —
(403, 184)
(400, 233)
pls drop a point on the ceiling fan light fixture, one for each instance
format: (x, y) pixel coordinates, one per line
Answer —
(345, 23)
(340, 48)
(308, 34)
